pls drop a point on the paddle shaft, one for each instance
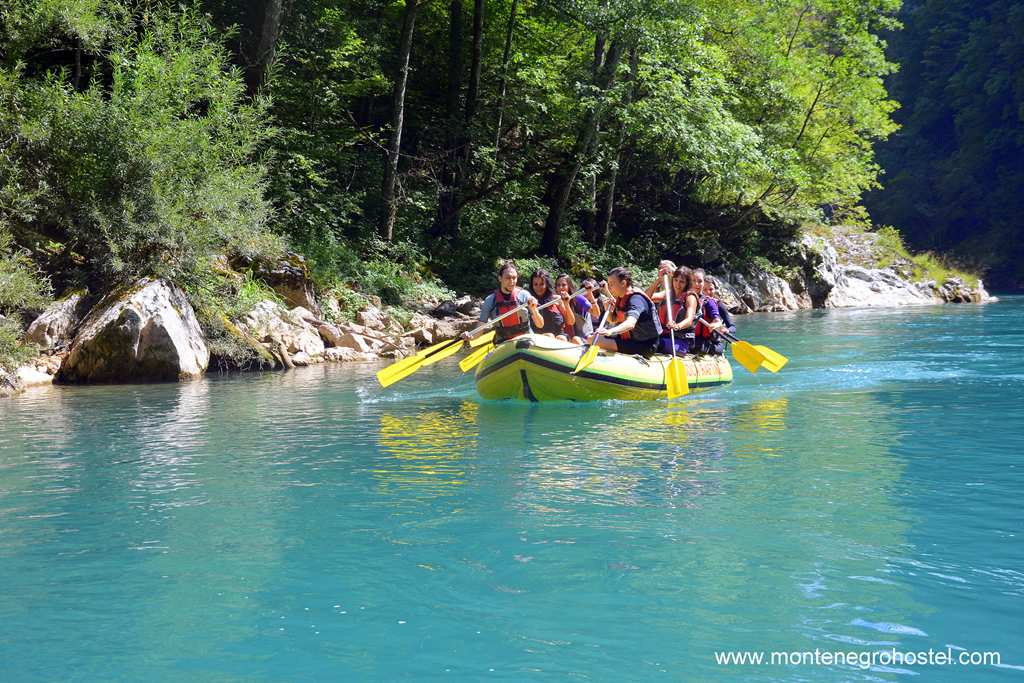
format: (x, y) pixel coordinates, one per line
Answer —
(721, 330)
(669, 317)
(604, 319)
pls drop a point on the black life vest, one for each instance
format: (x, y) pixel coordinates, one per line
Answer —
(553, 317)
(648, 325)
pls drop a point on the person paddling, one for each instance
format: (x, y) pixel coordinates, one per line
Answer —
(505, 298)
(637, 327)
(665, 267)
(685, 304)
(553, 317)
(579, 308)
(704, 332)
(717, 345)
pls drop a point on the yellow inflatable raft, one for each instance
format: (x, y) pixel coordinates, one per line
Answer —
(539, 368)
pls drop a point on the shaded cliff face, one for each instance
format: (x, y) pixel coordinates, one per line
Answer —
(953, 171)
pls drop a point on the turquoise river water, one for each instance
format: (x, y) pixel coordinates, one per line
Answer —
(310, 526)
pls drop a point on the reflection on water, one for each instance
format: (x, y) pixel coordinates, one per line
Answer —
(753, 423)
(428, 450)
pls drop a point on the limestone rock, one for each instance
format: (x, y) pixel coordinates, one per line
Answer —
(29, 376)
(267, 322)
(727, 296)
(354, 341)
(55, 327)
(465, 305)
(329, 333)
(764, 291)
(339, 354)
(147, 331)
(372, 317)
(290, 279)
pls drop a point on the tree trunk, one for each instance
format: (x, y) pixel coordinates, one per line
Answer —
(590, 208)
(606, 205)
(504, 75)
(561, 181)
(472, 94)
(387, 223)
(449, 215)
(264, 31)
(449, 173)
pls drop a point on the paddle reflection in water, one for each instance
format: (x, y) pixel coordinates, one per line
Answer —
(754, 424)
(607, 454)
(427, 451)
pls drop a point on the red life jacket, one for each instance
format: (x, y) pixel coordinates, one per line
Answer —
(702, 331)
(677, 308)
(622, 304)
(503, 303)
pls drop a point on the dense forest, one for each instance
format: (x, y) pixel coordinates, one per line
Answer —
(410, 143)
(955, 171)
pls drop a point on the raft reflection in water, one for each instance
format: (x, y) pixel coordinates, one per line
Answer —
(612, 450)
(427, 450)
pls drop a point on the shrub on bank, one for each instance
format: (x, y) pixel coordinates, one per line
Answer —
(146, 163)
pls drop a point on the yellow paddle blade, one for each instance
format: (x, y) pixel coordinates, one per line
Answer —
(587, 358)
(675, 379)
(385, 376)
(485, 338)
(473, 359)
(418, 361)
(401, 374)
(456, 346)
(398, 367)
(747, 355)
(773, 361)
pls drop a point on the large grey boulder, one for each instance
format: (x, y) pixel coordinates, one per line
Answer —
(55, 327)
(764, 291)
(859, 287)
(820, 263)
(31, 376)
(727, 295)
(144, 332)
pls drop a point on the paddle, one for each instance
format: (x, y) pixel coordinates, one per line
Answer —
(440, 351)
(473, 359)
(772, 361)
(432, 354)
(675, 371)
(749, 356)
(482, 339)
(591, 353)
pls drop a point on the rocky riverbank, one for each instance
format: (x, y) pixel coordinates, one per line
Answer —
(842, 270)
(149, 331)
